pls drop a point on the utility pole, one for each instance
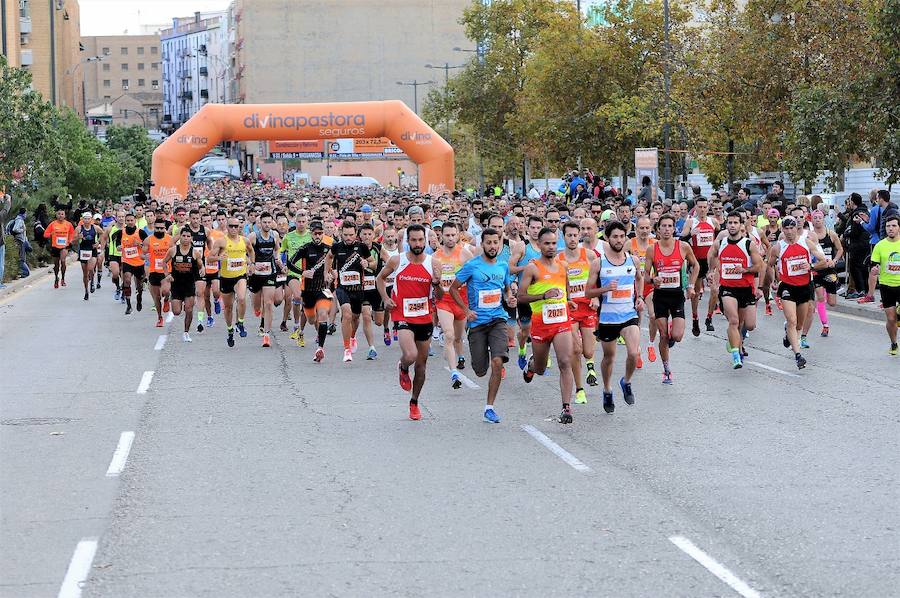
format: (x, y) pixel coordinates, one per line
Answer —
(667, 83)
(415, 83)
(446, 68)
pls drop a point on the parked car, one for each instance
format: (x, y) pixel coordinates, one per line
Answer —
(215, 175)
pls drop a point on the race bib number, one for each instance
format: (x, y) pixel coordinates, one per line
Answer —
(705, 238)
(415, 307)
(369, 283)
(263, 268)
(328, 294)
(576, 290)
(489, 298)
(670, 280)
(828, 251)
(62, 241)
(281, 278)
(389, 280)
(623, 294)
(797, 266)
(85, 254)
(158, 264)
(235, 263)
(893, 266)
(212, 265)
(554, 313)
(348, 279)
(732, 272)
(447, 281)
(130, 252)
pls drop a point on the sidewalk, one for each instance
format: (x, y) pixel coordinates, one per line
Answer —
(37, 275)
(864, 310)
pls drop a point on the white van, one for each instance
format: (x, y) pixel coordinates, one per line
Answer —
(330, 182)
(217, 164)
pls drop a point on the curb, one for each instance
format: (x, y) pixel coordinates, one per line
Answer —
(854, 309)
(36, 276)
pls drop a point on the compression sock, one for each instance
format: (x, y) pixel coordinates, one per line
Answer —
(322, 333)
(823, 312)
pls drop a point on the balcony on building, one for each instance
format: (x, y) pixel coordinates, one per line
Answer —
(204, 72)
(26, 57)
(187, 95)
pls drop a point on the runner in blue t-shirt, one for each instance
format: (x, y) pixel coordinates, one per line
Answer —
(487, 280)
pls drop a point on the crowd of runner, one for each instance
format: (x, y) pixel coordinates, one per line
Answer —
(538, 275)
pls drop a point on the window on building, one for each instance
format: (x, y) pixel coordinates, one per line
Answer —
(124, 51)
(154, 66)
(106, 83)
(23, 9)
(106, 67)
(154, 50)
(155, 83)
(141, 66)
(124, 66)
(106, 51)
(124, 83)
(140, 51)
(107, 97)
(141, 83)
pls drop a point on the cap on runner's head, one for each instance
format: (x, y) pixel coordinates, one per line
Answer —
(87, 215)
(316, 225)
(366, 208)
(98, 216)
(437, 224)
(607, 215)
(788, 221)
(773, 213)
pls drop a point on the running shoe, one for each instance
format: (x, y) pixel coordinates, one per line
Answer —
(801, 362)
(430, 351)
(353, 345)
(301, 340)
(460, 363)
(348, 355)
(414, 413)
(736, 362)
(527, 374)
(295, 334)
(117, 294)
(866, 299)
(893, 349)
(785, 341)
(266, 341)
(257, 312)
(778, 303)
(640, 362)
(217, 306)
(63, 282)
(709, 325)
(522, 361)
(591, 379)
(395, 335)
(98, 284)
(824, 331)
(159, 321)
(695, 328)
(127, 310)
(768, 309)
(85, 295)
(332, 328)
(373, 354)
(671, 342)
(651, 353)
(667, 378)
(92, 286)
(283, 327)
(166, 306)
(565, 416)
(455, 382)
(260, 331)
(241, 330)
(804, 344)
(744, 353)
(581, 397)
(626, 390)
(186, 337)
(140, 300)
(608, 405)
(55, 284)
(199, 327)
(387, 338)
(405, 380)
(210, 321)
(320, 355)
(230, 339)
(491, 416)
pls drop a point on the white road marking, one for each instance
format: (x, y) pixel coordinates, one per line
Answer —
(169, 316)
(464, 379)
(146, 379)
(714, 567)
(771, 369)
(120, 456)
(79, 568)
(833, 314)
(160, 342)
(556, 449)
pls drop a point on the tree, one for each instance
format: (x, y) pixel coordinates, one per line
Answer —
(883, 120)
(133, 142)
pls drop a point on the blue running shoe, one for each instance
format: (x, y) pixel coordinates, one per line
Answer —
(372, 354)
(241, 330)
(455, 382)
(522, 362)
(217, 305)
(626, 390)
(608, 405)
(210, 321)
(803, 343)
(491, 416)
(736, 362)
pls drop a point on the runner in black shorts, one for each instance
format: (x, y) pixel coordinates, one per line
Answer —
(186, 267)
(310, 262)
(349, 258)
(372, 305)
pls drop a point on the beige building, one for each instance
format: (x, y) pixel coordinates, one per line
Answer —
(47, 36)
(122, 74)
(10, 28)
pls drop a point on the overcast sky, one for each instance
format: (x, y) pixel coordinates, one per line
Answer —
(116, 17)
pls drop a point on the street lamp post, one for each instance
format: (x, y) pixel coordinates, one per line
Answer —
(446, 68)
(415, 83)
(72, 72)
(667, 83)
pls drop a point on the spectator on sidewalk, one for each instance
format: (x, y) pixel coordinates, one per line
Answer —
(18, 231)
(877, 217)
(41, 220)
(858, 245)
(5, 204)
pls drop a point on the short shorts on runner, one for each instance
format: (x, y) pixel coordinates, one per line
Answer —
(313, 301)
(704, 269)
(451, 306)
(209, 278)
(544, 333)
(487, 342)
(372, 298)
(523, 313)
(133, 270)
(668, 303)
(353, 298)
(798, 294)
(280, 281)
(256, 283)
(56, 251)
(421, 332)
(227, 284)
(181, 290)
(608, 333)
(826, 280)
(113, 259)
(584, 316)
(745, 296)
(890, 296)
(155, 279)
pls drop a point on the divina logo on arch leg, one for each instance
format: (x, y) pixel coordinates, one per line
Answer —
(193, 140)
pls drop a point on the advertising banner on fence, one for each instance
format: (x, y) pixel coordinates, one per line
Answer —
(646, 163)
(306, 150)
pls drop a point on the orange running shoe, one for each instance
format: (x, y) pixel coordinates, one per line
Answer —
(651, 353)
(266, 341)
(166, 306)
(405, 381)
(640, 362)
(159, 323)
(414, 412)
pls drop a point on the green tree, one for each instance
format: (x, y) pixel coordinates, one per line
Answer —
(883, 118)
(133, 142)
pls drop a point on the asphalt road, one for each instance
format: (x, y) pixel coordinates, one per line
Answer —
(255, 472)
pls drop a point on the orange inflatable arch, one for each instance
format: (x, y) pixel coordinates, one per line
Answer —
(215, 123)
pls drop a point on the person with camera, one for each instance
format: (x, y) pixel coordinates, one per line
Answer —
(857, 238)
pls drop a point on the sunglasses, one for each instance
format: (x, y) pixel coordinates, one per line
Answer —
(552, 221)
(234, 226)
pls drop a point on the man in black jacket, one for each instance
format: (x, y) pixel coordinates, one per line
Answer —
(856, 241)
